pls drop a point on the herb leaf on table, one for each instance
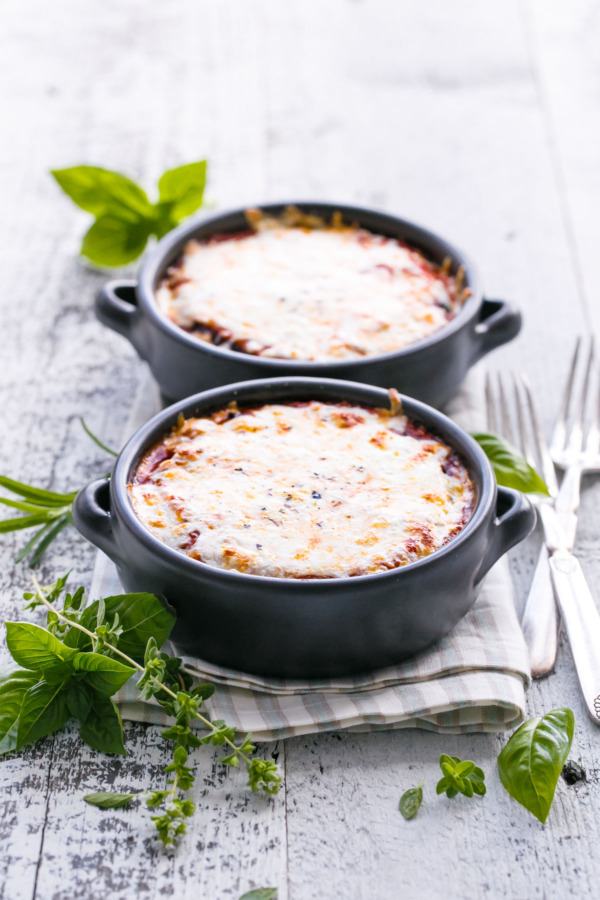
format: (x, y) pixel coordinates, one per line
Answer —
(260, 894)
(73, 667)
(410, 801)
(532, 760)
(510, 467)
(109, 801)
(460, 777)
(124, 216)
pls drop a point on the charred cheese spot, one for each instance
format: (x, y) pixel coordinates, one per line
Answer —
(294, 292)
(282, 490)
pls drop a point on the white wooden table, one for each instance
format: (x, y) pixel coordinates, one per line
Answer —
(479, 119)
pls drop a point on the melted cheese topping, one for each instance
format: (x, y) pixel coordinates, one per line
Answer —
(309, 490)
(320, 294)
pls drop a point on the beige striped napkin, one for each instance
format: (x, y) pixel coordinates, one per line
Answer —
(474, 679)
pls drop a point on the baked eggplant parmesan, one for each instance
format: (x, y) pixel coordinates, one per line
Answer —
(303, 490)
(297, 287)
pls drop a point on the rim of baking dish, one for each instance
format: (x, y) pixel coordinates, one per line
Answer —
(169, 247)
(201, 403)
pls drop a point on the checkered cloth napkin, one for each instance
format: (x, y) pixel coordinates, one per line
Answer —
(474, 679)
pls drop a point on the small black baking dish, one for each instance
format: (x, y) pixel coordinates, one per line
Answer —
(430, 370)
(305, 628)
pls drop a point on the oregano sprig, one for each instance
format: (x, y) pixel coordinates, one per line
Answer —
(124, 216)
(70, 669)
(460, 777)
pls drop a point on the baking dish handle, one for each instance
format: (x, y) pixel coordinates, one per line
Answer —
(499, 323)
(92, 518)
(116, 307)
(515, 519)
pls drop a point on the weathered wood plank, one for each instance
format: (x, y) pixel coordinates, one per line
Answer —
(234, 844)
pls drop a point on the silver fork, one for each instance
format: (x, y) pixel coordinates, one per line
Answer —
(540, 616)
(577, 606)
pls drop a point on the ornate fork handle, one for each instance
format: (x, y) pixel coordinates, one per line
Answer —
(582, 622)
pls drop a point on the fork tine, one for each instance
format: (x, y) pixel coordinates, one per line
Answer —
(507, 430)
(490, 406)
(559, 433)
(547, 466)
(527, 447)
(575, 441)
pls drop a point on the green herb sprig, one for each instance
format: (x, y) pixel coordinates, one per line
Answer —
(74, 666)
(529, 767)
(50, 511)
(46, 509)
(124, 216)
(460, 777)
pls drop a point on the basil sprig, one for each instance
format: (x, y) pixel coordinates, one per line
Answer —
(72, 668)
(510, 467)
(530, 764)
(124, 216)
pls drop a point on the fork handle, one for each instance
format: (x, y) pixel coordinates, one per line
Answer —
(582, 622)
(540, 620)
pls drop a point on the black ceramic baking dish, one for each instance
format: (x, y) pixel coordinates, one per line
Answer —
(304, 628)
(430, 370)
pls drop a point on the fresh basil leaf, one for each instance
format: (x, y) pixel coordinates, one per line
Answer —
(14, 684)
(181, 190)
(410, 801)
(101, 192)
(112, 241)
(510, 467)
(103, 728)
(79, 697)
(33, 647)
(106, 800)
(59, 672)
(532, 760)
(103, 674)
(141, 616)
(260, 894)
(44, 711)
